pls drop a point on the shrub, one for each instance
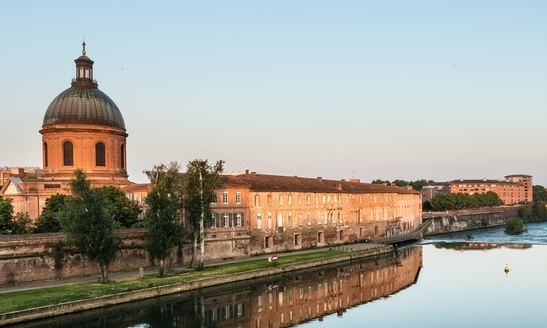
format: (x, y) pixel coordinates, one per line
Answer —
(514, 226)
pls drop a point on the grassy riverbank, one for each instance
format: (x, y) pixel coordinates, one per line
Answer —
(28, 299)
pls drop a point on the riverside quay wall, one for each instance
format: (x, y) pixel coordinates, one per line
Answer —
(452, 221)
(45, 257)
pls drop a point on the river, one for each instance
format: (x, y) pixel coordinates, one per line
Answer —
(453, 280)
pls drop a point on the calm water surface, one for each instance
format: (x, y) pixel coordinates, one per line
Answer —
(447, 281)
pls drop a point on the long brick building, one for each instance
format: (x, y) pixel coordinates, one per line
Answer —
(514, 189)
(275, 213)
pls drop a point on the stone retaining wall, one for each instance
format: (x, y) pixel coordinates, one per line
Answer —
(451, 221)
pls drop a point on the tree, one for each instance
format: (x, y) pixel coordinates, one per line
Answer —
(164, 209)
(514, 226)
(124, 211)
(539, 193)
(200, 184)
(48, 220)
(400, 183)
(419, 184)
(21, 224)
(88, 225)
(379, 181)
(6, 215)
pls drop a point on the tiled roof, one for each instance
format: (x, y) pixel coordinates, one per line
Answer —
(137, 187)
(264, 182)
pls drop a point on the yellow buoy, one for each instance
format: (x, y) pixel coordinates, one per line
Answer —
(506, 269)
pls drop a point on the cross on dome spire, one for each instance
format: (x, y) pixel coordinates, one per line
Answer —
(83, 48)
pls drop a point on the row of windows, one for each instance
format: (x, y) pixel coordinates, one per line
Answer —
(225, 197)
(68, 154)
(373, 214)
(225, 220)
(325, 199)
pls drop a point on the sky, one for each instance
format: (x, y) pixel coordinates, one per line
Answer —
(435, 90)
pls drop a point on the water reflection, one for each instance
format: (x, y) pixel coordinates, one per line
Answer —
(279, 301)
(470, 246)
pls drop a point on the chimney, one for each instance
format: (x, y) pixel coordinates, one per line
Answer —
(320, 178)
(246, 171)
(354, 180)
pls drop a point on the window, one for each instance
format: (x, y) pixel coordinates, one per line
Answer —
(226, 220)
(238, 197)
(259, 220)
(45, 155)
(269, 200)
(239, 219)
(68, 154)
(308, 218)
(280, 199)
(289, 219)
(280, 219)
(269, 220)
(225, 197)
(122, 156)
(213, 220)
(289, 200)
(100, 154)
(257, 200)
(324, 199)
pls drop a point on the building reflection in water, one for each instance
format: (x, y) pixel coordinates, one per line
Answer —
(311, 296)
(280, 301)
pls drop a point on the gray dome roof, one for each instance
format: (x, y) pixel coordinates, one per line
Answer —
(83, 105)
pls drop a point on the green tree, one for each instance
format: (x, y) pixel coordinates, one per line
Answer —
(124, 211)
(22, 224)
(492, 199)
(419, 184)
(164, 209)
(6, 215)
(539, 193)
(379, 181)
(400, 183)
(48, 220)
(88, 225)
(514, 226)
(200, 184)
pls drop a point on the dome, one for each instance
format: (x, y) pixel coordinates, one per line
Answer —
(83, 105)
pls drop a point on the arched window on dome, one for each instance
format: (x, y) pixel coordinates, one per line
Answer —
(68, 153)
(45, 155)
(100, 154)
(122, 156)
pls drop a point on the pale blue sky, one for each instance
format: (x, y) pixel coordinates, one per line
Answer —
(408, 90)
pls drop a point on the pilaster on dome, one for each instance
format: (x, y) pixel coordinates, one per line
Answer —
(84, 71)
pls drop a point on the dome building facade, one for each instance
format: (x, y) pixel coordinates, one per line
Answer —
(83, 128)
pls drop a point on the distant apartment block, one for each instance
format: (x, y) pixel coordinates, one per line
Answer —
(514, 189)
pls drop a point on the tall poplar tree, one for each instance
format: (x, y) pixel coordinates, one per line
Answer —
(164, 210)
(200, 184)
(88, 225)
